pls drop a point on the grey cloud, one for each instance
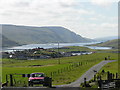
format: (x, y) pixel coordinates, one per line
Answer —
(22, 4)
(67, 5)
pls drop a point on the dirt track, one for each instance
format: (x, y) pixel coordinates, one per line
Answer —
(88, 75)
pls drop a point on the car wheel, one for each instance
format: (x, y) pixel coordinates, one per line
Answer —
(30, 84)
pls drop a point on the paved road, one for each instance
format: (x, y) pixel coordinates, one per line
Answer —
(88, 75)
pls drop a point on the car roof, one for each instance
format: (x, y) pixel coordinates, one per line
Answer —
(37, 73)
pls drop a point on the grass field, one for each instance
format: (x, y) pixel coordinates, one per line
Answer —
(79, 48)
(47, 66)
(111, 43)
(73, 48)
(111, 67)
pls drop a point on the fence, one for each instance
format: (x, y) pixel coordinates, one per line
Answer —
(68, 68)
(111, 81)
(15, 80)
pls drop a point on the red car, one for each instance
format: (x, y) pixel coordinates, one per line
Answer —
(39, 78)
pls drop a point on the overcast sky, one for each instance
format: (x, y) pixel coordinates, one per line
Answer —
(88, 18)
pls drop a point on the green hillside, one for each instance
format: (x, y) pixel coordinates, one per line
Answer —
(111, 43)
(5, 42)
(35, 35)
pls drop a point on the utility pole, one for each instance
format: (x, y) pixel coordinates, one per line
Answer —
(58, 54)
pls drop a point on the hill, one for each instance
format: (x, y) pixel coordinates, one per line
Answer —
(103, 39)
(37, 35)
(111, 43)
(6, 42)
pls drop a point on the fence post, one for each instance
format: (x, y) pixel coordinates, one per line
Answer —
(94, 77)
(7, 80)
(79, 63)
(108, 75)
(85, 82)
(113, 76)
(100, 78)
(51, 74)
(58, 71)
(116, 75)
(55, 72)
(11, 80)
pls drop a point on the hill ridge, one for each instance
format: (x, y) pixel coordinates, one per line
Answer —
(38, 35)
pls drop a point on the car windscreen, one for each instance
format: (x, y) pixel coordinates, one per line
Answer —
(39, 75)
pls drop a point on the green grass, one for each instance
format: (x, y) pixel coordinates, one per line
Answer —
(63, 60)
(111, 67)
(79, 48)
(112, 43)
(11, 66)
(73, 48)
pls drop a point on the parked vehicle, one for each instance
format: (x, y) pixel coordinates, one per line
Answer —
(39, 78)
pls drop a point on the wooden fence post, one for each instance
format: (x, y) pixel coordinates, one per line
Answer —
(55, 72)
(85, 82)
(58, 71)
(116, 75)
(94, 77)
(6, 80)
(108, 75)
(11, 80)
(79, 63)
(113, 76)
(100, 78)
(51, 74)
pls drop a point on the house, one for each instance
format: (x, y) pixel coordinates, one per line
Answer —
(37, 56)
(66, 54)
(76, 53)
(5, 55)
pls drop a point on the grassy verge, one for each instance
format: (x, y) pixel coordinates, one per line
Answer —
(111, 67)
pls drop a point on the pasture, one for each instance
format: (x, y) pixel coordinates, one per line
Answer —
(69, 69)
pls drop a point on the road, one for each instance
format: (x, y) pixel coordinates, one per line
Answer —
(88, 74)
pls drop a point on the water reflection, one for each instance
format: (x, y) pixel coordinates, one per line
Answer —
(55, 45)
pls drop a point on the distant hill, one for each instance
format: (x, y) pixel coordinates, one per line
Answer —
(111, 43)
(103, 39)
(36, 35)
(5, 42)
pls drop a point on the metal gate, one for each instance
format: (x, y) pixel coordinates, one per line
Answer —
(16, 80)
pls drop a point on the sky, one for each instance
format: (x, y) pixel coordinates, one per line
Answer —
(88, 18)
